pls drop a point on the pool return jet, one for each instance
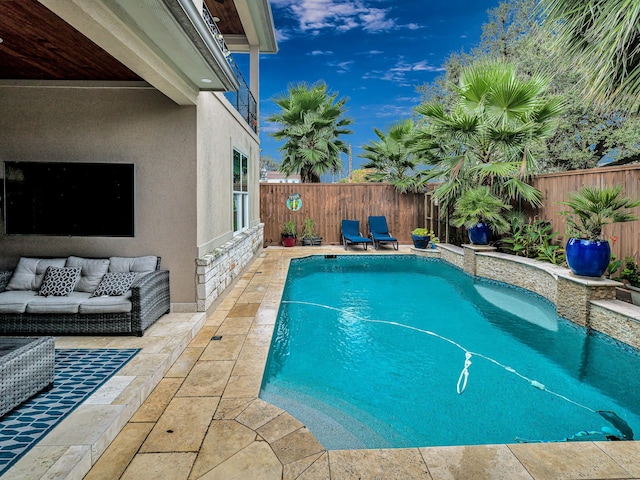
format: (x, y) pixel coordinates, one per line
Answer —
(621, 430)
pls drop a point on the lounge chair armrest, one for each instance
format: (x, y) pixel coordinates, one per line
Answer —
(4, 279)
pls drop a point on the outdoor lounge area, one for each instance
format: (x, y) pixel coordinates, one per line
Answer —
(141, 132)
(187, 407)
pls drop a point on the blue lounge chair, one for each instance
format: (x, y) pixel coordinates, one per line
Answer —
(351, 234)
(379, 232)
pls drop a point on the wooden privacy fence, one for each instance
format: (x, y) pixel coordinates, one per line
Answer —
(556, 186)
(329, 204)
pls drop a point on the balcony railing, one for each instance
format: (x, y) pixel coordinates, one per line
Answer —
(242, 99)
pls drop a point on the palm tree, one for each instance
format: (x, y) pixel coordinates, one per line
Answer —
(392, 160)
(312, 121)
(603, 39)
(490, 135)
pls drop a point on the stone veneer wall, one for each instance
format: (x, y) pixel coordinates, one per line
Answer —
(617, 319)
(216, 271)
(585, 301)
(452, 254)
(509, 270)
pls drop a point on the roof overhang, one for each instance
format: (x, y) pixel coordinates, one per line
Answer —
(257, 22)
(165, 42)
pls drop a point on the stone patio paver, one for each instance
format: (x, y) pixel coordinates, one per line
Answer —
(314, 467)
(117, 457)
(568, 461)
(185, 362)
(256, 461)
(165, 466)
(626, 454)
(182, 426)
(223, 440)
(206, 379)
(298, 444)
(484, 462)
(377, 464)
(227, 348)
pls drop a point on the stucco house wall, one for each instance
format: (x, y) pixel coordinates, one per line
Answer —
(220, 130)
(183, 157)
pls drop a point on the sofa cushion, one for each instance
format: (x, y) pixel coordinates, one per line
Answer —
(59, 282)
(15, 301)
(92, 271)
(113, 304)
(114, 284)
(140, 265)
(29, 273)
(57, 304)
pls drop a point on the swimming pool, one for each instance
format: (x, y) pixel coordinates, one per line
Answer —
(371, 352)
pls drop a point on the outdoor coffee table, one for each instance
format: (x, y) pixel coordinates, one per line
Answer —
(26, 368)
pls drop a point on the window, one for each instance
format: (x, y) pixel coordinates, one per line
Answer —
(240, 191)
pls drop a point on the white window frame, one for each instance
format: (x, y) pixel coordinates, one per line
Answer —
(240, 187)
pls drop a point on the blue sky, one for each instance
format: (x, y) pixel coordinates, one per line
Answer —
(375, 52)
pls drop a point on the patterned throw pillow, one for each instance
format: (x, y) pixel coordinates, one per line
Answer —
(59, 281)
(113, 284)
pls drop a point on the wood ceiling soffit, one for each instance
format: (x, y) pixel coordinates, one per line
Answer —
(229, 23)
(39, 45)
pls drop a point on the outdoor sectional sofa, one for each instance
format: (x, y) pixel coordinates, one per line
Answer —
(83, 296)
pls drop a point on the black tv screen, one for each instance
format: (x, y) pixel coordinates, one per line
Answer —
(70, 199)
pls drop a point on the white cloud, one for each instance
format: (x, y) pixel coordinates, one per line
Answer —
(399, 72)
(424, 66)
(341, 15)
(321, 52)
(269, 127)
(393, 111)
(282, 35)
(375, 20)
(341, 67)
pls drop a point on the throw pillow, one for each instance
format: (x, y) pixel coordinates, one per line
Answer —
(114, 284)
(59, 281)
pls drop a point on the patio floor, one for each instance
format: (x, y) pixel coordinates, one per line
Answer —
(203, 418)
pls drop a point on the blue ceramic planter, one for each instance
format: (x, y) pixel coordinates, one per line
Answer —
(588, 258)
(420, 241)
(479, 234)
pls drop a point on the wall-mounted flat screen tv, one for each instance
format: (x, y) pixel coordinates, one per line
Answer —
(70, 199)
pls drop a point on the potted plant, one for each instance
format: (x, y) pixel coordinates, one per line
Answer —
(481, 212)
(587, 253)
(289, 233)
(630, 275)
(420, 237)
(309, 235)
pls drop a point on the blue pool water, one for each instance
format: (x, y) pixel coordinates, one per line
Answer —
(370, 352)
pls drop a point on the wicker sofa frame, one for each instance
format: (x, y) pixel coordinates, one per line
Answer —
(28, 368)
(149, 301)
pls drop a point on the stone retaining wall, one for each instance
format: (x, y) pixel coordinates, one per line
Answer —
(216, 271)
(619, 320)
(586, 301)
(452, 254)
(498, 267)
